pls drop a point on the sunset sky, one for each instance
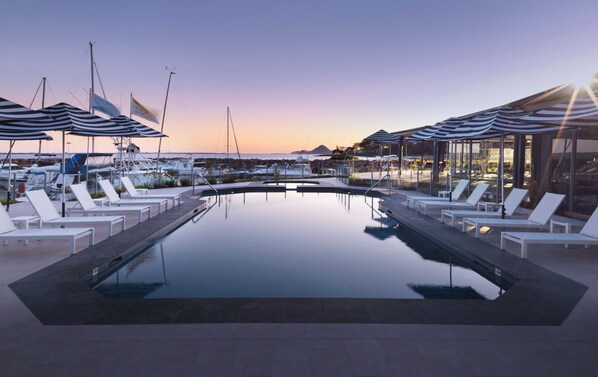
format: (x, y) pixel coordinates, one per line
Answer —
(295, 74)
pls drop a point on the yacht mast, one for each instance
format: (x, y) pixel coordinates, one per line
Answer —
(227, 131)
(164, 115)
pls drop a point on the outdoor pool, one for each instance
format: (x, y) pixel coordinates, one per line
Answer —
(294, 245)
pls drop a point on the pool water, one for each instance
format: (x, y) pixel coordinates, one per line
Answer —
(293, 244)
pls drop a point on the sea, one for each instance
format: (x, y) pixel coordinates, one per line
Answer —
(199, 156)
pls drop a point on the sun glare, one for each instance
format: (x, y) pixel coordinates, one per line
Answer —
(582, 78)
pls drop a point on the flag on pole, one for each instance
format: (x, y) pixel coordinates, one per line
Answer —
(104, 106)
(142, 111)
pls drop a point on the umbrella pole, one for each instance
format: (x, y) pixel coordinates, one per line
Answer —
(63, 173)
(11, 144)
(502, 175)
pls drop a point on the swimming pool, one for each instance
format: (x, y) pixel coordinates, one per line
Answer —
(296, 245)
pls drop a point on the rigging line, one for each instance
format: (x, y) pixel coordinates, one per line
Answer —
(37, 91)
(234, 134)
(100, 80)
(77, 99)
(51, 92)
(77, 77)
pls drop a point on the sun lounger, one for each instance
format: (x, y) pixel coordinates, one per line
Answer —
(134, 193)
(471, 201)
(587, 236)
(537, 219)
(89, 207)
(8, 231)
(114, 199)
(412, 200)
(511, 204)
(49, 215)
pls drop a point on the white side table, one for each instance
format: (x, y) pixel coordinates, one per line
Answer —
(565, 225)
(444, 194)
(23, 222)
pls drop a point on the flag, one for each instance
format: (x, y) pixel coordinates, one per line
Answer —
(104, 106)
(142, 111)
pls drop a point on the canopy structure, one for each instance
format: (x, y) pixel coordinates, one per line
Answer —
(10, 111)
(65, 117)
(563, 107)
(128, 128)
(382, 136)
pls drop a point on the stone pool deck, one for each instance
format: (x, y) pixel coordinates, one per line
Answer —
(28, 348)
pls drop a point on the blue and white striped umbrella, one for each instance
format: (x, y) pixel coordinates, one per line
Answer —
(130, 128)
(10, 111)
(382, 136)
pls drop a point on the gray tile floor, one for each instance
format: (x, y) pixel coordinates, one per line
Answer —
(29, 349)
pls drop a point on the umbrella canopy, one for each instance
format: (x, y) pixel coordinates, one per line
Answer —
(64, 117)
(382, 136)
(129, 128)
(561, 107)
(23, 135)
(10, 111)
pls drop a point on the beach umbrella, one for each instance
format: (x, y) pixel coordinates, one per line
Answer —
(381, 136)
(65, 117)
(10, 111)
(129, 128)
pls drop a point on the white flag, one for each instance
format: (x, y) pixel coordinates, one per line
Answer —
(142, 111)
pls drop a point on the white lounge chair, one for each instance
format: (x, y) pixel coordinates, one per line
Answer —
(89, 207)
(537, 219)
(455, 195)
(511, 204)
(134, 193)
(8, 231)
(587, 236)
(49, 215)
(471, 201)
(114, 199)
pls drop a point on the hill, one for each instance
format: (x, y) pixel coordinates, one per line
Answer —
(320, 150)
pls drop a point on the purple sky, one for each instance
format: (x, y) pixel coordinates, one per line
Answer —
(295, 74)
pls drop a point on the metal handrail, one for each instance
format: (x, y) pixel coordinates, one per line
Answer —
(205, 180)
(374, 185)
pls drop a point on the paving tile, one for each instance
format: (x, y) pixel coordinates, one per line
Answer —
(291, 369)
(401, 350)
(540, 358)
(253, 357)
(366, 358)
(291, 351)
(215, 362)
(329, 363)
(410, 369)
(446, 363)
(337, 331)
(402, 331)
(270, 330)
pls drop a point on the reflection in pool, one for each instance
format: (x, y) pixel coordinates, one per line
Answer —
(292, 244)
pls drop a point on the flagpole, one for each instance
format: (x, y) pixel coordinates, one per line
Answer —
(91, 93)
(163, 117)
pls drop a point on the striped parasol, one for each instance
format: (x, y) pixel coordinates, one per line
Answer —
(65, 117)
(129, 128)
(10, 111)
(382, 136)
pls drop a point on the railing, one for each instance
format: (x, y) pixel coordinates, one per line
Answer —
(387, 175)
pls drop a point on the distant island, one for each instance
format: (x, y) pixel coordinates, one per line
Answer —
(320, 150)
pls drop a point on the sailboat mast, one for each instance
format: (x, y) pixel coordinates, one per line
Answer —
(164, 116)
(227, 130)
